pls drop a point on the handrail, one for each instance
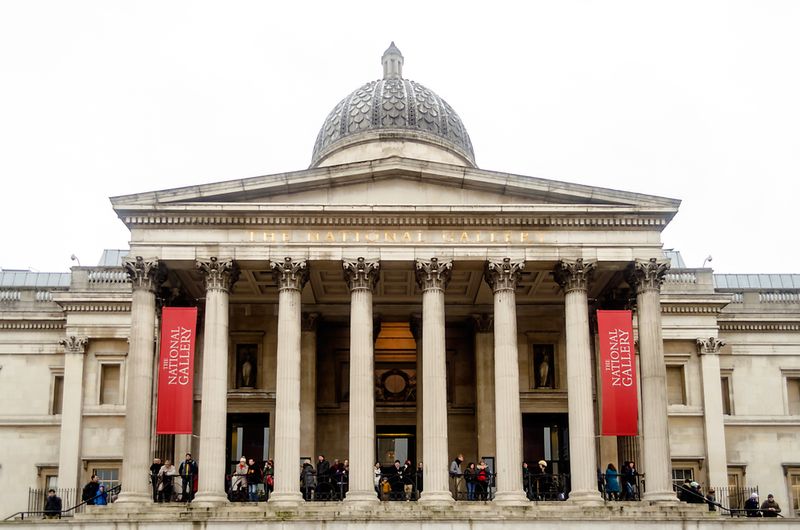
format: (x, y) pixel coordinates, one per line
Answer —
(113, 491)
(738, 512)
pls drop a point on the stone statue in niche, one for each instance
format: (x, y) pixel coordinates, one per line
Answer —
(246, 365)
(544, 367)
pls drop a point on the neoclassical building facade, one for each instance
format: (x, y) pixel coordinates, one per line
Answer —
(392, 301)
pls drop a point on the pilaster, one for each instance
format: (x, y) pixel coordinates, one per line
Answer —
(71, 411)
(716, 451)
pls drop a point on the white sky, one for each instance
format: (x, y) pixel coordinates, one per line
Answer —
(693, 100)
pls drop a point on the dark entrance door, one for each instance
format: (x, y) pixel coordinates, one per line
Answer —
(545, 437)
(395, 442)
(248, 436)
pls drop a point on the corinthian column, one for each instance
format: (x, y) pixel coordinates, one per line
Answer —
(71, 411)
(432, 277)
(646, 276)
(573, 277)
(503, 276)
(291, 276)
(361, 276)
(716, 454)
(219, 278)
(146, 277)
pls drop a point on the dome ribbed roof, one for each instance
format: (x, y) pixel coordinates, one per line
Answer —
(393, 108)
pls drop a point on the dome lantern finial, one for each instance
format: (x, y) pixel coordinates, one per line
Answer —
(392, 63)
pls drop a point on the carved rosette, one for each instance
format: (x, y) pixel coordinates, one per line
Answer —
(308, 321)
(433, 274)
(145, 274)
(574, 275)
(709, 345)
(289, 273)
(503, 274)
(361, 273)
(484, 323)
(647, 275)
(218, 275)
(74, 344)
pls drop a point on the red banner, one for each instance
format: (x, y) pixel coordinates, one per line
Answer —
(176, 370)
(618, 373)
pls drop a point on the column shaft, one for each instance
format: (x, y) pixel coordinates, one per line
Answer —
(214, 405)
(434, 413)
(582, 455)
(287, 399)
(503, 277)
(71, 413)
(655, 428)
(145, 278)
(361, 276)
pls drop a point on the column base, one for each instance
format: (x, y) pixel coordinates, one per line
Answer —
(134, 497)
(663, 497)
(361, 498)
(436, 498)
(586, 498)
(286, 499)
(511, 498)
(209, 499)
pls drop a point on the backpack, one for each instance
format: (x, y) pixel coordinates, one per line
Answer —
(482, 477)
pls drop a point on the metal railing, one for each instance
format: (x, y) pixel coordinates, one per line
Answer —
(546, 486)
(626, 487)
(690, 496)
(36, 501)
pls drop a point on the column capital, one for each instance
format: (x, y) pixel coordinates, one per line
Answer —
(504, 274)
(308, 321)
(218, 275)
(433, 273)
(74, 344)
(484, 322)
(361, 273)
(647, 275)
(145, 274)
(709, 345)
(289, 273)
(574, 275)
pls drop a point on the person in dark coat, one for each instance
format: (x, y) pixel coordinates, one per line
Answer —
(751, 506)
(254, 479)
(307, 484)
(155, 467)
(418, 478)
(90, 490)
(52, 506)
(396, 480)
(323, 477)
(187, 470)
(408, 480)
(770, 508)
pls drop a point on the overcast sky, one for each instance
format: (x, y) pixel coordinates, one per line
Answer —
(695, 100)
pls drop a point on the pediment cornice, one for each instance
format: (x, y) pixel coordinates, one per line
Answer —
(532, 190)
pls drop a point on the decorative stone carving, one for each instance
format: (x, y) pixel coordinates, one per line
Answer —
(289, 273)
(433, 274)
(503, 274)
(361, 273)
(710, 345)
(218, 275)
(74, 344)
(574, 275)
(647, 275)
(308, 321)
(145, 274)
(484, 323)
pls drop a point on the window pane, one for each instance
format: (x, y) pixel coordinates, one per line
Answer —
(109, 384)
(793, 391)
(726, 395)
(58, 393)
(675, 387)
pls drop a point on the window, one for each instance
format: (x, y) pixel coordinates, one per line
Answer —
(110, 384)
(793, 394)
(725, 383)
(50, 482)
(681, 474)
(57, 401)
(109, 476)
(794, 490)
(676, 387)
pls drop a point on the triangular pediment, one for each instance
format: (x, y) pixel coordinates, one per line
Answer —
(393, 182)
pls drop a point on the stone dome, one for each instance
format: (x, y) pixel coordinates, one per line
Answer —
(401, 115)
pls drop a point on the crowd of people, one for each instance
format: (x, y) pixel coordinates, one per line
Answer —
(165, 477)
(619, 485)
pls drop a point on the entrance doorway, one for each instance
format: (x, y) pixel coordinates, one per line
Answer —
(248, 435)
(395, 442)
(545, 437)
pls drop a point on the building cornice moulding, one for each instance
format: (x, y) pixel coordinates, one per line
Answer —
(21, 324)
(94, 307)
